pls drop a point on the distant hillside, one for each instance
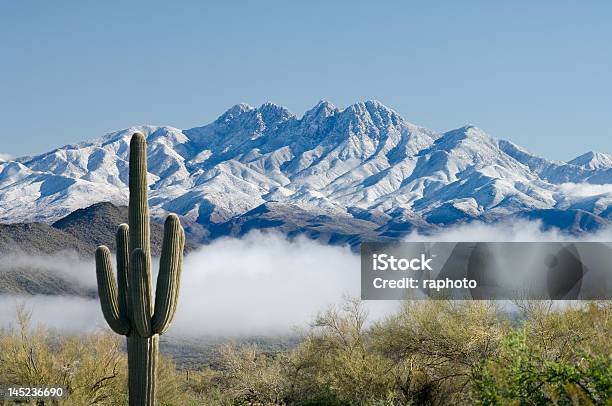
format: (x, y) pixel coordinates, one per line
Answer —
(97, 225)
(39, 238)
(81, 232)
(39, 281)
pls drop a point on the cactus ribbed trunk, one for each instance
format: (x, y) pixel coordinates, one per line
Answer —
(128, 305)
(142, 369)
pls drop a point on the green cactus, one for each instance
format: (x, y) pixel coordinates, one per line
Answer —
(128, 305)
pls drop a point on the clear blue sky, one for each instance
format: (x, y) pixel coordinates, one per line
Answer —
(537, 74)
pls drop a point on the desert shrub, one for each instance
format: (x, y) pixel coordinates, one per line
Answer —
(434, 344)
(555, 357)
(427, 353)
(205, 385)
(431, 353)
(556, 332)
(335, 365)
(92, 368)
(173, 389)
(252, 377)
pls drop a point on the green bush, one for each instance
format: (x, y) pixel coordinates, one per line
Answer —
(555, 357)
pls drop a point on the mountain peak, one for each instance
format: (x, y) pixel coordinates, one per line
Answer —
(471, 131)
(370, 111)
(468, 133)
(370, 106)
(321, 110)
(593, 160)
(271, 106)
(470, 127)
(267, 111)
(373, 103)
(240, 108)
(235, 111)
(272, 111)
(364, 107)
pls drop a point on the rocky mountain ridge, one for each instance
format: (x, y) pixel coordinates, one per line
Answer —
(364, 166)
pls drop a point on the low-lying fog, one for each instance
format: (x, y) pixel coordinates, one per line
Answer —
(260, 284)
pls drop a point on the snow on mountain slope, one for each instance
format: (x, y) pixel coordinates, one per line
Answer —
(364, 164)
(593, 160)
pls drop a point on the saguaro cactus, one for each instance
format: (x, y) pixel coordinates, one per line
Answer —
(128, 305)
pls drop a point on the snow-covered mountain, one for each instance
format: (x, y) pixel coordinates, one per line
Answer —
(363, 170)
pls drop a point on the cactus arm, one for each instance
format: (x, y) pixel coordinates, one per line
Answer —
(138, 211)
(123, 256)
(168, 279)
(140, 292)
(107, 290)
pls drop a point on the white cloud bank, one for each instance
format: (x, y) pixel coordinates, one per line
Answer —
(585, 189)
(260, 284)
